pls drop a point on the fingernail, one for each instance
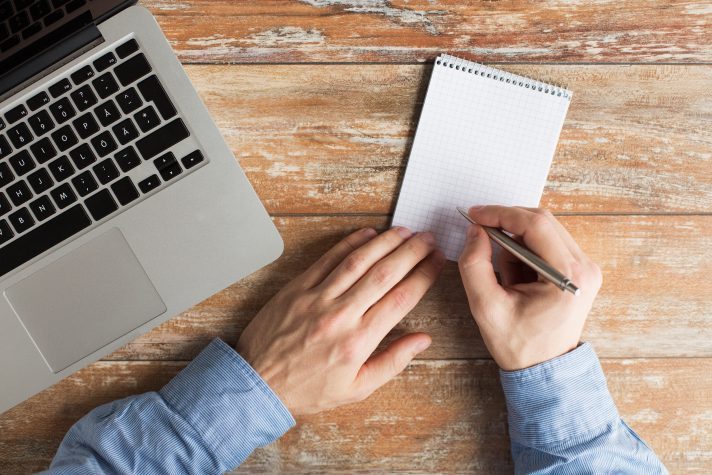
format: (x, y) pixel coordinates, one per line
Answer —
(405, 233)
(427, 237)
(472, 232)
(370, 232)
(422, 345)
(476, 208)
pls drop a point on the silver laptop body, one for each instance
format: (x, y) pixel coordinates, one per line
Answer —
(150, 237)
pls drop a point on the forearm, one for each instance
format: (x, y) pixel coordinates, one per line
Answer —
(562, 419)
(208, 419)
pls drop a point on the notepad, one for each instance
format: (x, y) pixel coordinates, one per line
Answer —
(485, 136)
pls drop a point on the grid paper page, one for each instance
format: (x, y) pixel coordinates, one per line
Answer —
(480, 140)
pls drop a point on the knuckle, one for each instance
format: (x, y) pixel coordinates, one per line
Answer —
(352, 349)
(540, 222)
(382, 274)
(355, 263)
(401, 299)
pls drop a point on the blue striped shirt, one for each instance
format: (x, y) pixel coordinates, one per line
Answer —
(216, 411)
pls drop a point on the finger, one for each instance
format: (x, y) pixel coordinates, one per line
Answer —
(390, 270)
(328, 262)
(514, 271)
(384, 366)
(358, 262)
(476, 269)
(384, 315)
(536, 231)
(563, 232)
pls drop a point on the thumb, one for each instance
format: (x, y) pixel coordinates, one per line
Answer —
(384, 366)
(476, 269)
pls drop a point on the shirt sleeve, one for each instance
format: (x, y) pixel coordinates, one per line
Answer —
(207, 419)
(563, 420)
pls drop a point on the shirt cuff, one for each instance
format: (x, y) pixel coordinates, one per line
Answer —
(226, 401)
(560, 399)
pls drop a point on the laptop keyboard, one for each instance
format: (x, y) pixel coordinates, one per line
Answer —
(23, 19)
(69, 155)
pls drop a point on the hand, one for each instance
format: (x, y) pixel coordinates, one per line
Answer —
(313, 342)
(526, 320)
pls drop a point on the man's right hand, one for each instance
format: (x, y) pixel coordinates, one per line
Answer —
(526, 320)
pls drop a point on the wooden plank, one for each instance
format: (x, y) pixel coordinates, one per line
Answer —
(654, 302)
(437, 417)
(335, 139)
(416, 30)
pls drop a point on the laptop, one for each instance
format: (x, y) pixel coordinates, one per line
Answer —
(120, 203)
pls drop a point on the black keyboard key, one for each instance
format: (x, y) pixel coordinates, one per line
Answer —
(101, 205)
(133, 69)
(167, 166)
(6, 175)
(129, 100)
(31, 30)
(84, 183)
(19, 193)
(75, 5)
(53, 17)
(147, 118)
(16, 113)
(125, 131)
(107, 113)
(61, 168)
(105, 85)
(62, 110)
(5, 148)
(192, 159)
(5, 232)
(4, 32)
(105, 62)
(104, 144)
(162, 139)
(106, 171)
(43, 150)
(41, 123)
(171, 171)
(19, 22)
(10, 43)
(38, 100)
(127, 48)
(84, 98)
(125, 191)
(22, 4)
(42, 208)
(6, 10)
(164, 161)
(152, 90)
(86, 125)
(82, 156)
(22, 163)
(40, 9)
(127, 159)
(40, 181)
(5, 206)
(43, 238)
(63, 195)
(64, 138)
(60, 88)
(20, 135)
(149, 183)
(21, 220)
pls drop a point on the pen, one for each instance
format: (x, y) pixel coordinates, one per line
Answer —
(526, 256)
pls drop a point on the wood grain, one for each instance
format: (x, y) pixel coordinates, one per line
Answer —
(438, 416)
(297, 31)
(335, 139)
(654, 302)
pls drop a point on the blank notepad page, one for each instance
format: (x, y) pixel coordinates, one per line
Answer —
(484, 137)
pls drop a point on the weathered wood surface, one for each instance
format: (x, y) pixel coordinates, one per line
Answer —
(655, 300)
(415, 30)
(438, 416)
(335, 139)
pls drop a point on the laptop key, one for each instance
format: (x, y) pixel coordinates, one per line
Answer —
(40, 181)
(82, 156)
(105, 85)
(5, 148)
(162, 139)
(107, 113)
(104, 144)
(167, 166)
(40, 9)
(22, 163)
(21, 220)
(150, 183)
(127, 159)
(42, 208)
(41, 123)
(133, 69)
(84, 98)
(152, 90)
(106, 171)
(20, 135)
(131, 46)
(63, 195)
(43, 238)
(192, 159)
(61, 168)
(125, 131)
(37, 101)
(84, 183)
(5, 206)
(5, 232)
(6, 175)
(19, 193)
(62, 110)
(82, 75)
(147, 118)
(16, 113)
(59, 88)
(125, 191)
(43, 150)
(105, 62)
(86, 125)
(101, 205)
(129, 100)
(64, 138)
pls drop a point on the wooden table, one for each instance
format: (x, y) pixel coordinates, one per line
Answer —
(319, 100)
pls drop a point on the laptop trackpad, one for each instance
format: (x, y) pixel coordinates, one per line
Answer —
(85, 300)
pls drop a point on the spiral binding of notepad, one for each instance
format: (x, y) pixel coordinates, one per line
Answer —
(478, 69)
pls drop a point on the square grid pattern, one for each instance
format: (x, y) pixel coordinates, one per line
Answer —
(484, 137)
